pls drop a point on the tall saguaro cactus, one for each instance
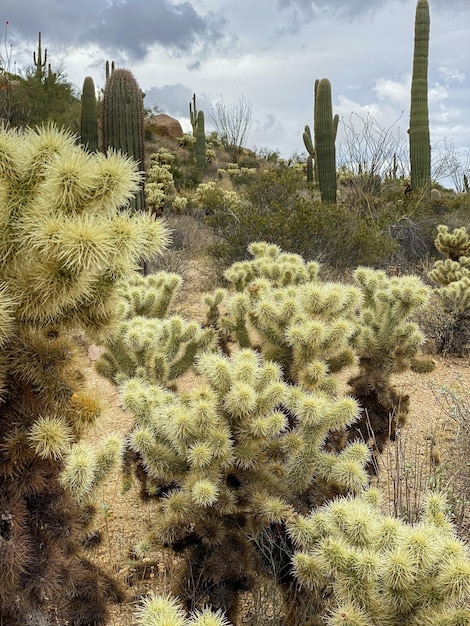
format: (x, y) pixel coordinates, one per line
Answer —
(308, 143)
(88, 116)
(325, 134)
(39, 61)
(420, 147)
(123, 121)
(200, 145)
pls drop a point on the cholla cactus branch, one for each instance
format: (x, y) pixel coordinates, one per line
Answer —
(381, 570)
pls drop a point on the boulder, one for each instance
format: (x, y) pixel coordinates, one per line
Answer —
(164, 126)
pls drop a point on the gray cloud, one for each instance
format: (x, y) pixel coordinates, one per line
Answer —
(171, 99)
(128, 28)
(136, 25)
(174, 100)
(358, 9)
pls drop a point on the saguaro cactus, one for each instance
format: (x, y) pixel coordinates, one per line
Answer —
(123, 121)
(308, 142)
(420, 146)
(88, 116)
(325, 134)
(193, 114)
(39, 61)
(200, 145)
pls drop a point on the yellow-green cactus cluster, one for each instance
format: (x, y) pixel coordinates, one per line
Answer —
(386, 339)
(157, 610)
(453, 244)
(211, 197)
(282, 309)
(148, 343)
(453, 274)
(157, 350)
(269, 262)
(227, 446)
(314, 329)
(67, 237)
(382, 571)
(149, 296)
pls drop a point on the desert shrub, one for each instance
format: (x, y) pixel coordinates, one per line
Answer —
(454, 479)
(414, 238)
(445, 334)
(278, 208)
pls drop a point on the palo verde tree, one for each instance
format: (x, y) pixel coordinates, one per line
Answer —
(42, 94)
(66, 239)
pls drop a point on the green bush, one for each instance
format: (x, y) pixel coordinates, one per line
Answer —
(280, 209)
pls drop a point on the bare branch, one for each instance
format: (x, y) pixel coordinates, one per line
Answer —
(233, 124)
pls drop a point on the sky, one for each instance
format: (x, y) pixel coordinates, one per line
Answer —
(268, 52)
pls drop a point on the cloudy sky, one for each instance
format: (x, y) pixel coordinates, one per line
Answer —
(268, 51)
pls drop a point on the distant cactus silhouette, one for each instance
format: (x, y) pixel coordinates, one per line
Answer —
(89, 116)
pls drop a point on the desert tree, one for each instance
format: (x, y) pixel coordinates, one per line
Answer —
(369, 153)
(233, 124)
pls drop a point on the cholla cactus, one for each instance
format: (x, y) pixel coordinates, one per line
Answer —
(228, 459)
(314, 329)
(150, 296)
(387, 342)
(147, 343)
(65, 241)
(159, 351)
(211, 198)
(381, 570)
(291, 317)
(166, 611)
(179, 204)
(160, 186)
(452, 276)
